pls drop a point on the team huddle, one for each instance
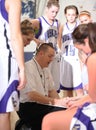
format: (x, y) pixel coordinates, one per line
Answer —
(64, 61)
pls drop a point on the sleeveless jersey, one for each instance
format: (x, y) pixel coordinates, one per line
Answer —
(68, 48)
(48, 33)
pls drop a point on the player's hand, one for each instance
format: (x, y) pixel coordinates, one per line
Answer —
(22, 80)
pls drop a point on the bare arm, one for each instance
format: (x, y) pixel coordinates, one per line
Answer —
(37, 97)
(60, 36)
(13, 8)
(91, 66)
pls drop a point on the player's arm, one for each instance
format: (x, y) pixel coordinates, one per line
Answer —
(59, 41)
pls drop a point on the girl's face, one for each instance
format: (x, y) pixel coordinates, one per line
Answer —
(84, 47)
(52, 12)
(84, 19)
(71, 15)
(27, 39)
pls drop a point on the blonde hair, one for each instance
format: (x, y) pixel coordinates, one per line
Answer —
(85, 12)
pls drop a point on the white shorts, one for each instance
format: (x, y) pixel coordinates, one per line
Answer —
(70, 73)
(8, 84)
(85, 118)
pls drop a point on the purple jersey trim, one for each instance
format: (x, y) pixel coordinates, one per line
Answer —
(40, 26)
(3, 10)
(62, 87)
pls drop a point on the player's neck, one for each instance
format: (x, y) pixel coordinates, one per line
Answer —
(50, 21)
(72, 25)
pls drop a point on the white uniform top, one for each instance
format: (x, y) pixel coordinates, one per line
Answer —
(48, 33)
(38, 79)
(68, 48)
(5, 43)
